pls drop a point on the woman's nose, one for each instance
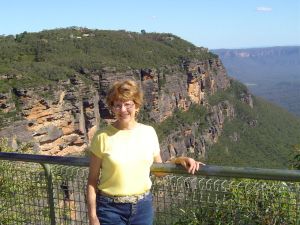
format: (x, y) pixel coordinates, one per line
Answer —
(123, 107)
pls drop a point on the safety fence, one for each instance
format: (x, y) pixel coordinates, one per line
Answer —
(39, 190)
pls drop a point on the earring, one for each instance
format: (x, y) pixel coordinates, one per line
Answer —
(111, 113)
(136, 114)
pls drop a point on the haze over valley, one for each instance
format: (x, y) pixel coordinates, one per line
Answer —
(272, 73)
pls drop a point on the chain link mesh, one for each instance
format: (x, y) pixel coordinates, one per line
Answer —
(178, 199)
(197, 200)
(23, 194)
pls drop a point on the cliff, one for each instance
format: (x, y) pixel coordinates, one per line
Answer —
(53, 89)
(60, 119)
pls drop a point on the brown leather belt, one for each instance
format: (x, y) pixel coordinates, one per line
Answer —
(125, 199)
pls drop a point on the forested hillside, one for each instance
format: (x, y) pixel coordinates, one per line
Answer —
(30, 59)
(264, 136)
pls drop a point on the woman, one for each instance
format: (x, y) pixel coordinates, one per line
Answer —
(124, 152)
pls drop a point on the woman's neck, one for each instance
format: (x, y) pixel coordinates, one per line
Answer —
(125, 126)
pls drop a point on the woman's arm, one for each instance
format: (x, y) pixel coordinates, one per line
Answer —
(94, 171)
(189, 164)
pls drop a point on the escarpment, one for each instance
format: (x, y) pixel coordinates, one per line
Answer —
(61, 119)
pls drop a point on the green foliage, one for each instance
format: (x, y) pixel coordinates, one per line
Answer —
(179, 119)
(266, 133)
(20, 195)
(13, 208)
(295, 162)
(4, 145)
(22, 147)
(260, 205)
(51, 55)
(6, 118)
(20, 37)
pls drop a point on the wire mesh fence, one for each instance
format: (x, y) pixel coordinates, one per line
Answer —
(32, 193)
(23, 194)
(195, 200)
(69, 186)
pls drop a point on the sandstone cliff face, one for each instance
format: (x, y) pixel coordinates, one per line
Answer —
(188, 142)
(60, 120)
(56, 124)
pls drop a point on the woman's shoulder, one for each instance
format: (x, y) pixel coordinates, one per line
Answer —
(105, 131)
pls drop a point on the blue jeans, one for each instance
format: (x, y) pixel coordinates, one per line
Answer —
(111, 213)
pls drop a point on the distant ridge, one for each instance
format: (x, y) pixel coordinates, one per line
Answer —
(272, 72)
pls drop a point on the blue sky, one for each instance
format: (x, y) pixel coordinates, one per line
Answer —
(208, 23)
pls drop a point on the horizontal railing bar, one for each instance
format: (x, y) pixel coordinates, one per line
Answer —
(47, 159)
(234, 172)
(207, 170)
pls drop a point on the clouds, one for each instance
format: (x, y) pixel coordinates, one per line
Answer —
(263, 9)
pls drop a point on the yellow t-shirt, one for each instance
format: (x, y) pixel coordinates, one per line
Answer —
(127, 156)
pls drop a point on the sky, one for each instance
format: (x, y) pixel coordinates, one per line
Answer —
(205, 23)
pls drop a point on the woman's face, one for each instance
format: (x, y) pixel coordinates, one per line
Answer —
(124, 111)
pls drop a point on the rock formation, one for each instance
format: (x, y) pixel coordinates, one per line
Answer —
(60, 119)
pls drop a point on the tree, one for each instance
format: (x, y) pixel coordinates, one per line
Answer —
(19, 37)
(296, 158)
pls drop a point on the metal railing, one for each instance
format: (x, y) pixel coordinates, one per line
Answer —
(37, 189)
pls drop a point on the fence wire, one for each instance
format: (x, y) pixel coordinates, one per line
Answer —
(195, 200)
(178, 199)
(23, 194)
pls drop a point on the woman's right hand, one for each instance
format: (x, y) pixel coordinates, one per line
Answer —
(94, 221)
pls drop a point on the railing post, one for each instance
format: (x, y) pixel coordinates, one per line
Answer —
(48, 174)
(298, 205)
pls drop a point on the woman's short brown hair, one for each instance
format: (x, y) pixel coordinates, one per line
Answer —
(125, 90)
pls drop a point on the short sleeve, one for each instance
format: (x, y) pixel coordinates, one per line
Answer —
(156, 149)
(97, 145)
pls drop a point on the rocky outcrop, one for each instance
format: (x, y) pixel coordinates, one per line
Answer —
(187, 141)
(246, 97)
(56, 124)
(60, 119)
(6, 103)
(205, 78)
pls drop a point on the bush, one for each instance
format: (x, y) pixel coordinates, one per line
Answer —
(265, 203)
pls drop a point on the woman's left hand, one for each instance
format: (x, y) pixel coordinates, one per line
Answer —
(189, 164)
